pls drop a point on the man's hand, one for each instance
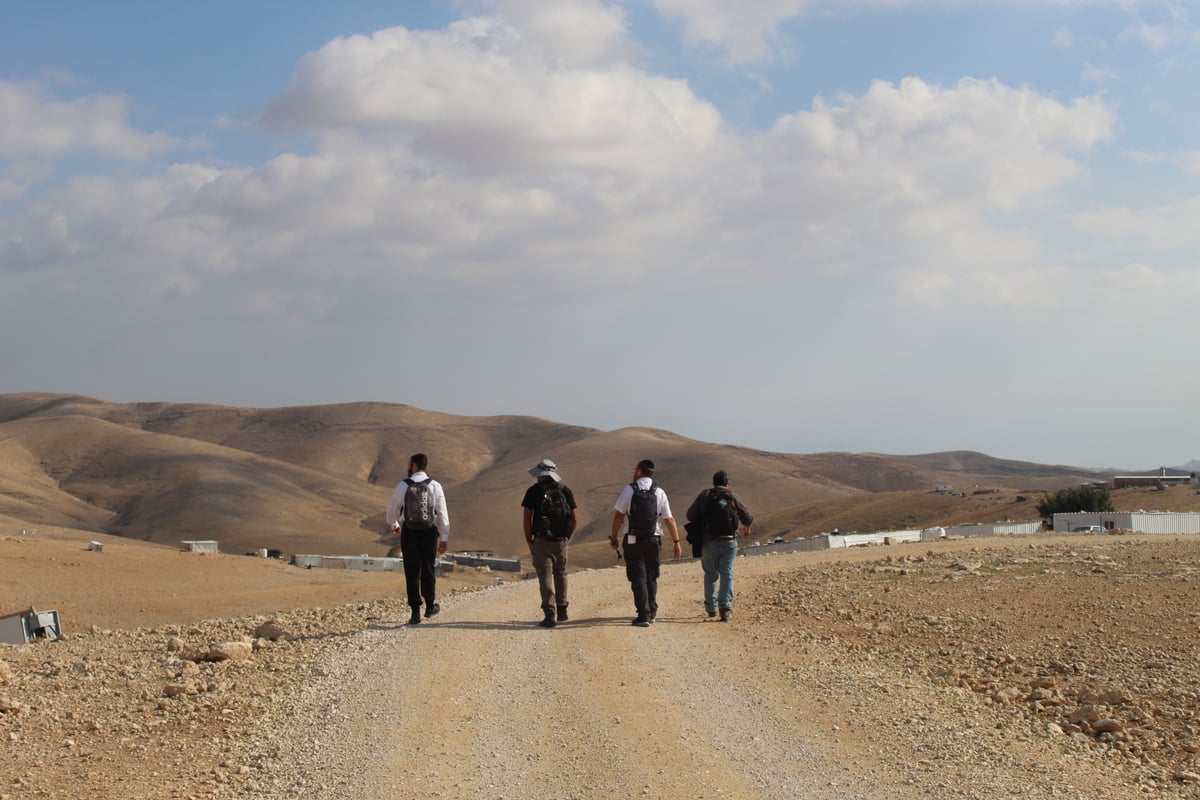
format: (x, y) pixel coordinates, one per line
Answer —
(442, 547)
(678, 549)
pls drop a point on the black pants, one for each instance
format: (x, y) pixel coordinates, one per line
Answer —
(641, 567)
(419, 551)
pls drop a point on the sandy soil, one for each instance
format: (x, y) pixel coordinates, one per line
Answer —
(1047, 666)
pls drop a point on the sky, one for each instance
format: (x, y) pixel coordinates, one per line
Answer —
(892, 226)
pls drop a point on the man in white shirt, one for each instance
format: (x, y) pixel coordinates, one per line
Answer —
(642, 511)
(418, 511)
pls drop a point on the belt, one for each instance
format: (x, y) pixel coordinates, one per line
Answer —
(721, 538)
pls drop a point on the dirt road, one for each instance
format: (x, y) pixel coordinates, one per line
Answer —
(1036, 667)
(482, 703)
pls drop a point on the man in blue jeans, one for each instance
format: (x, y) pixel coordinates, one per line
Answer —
(718, 511)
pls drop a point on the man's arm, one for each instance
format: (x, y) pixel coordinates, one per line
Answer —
(574, 509)
(394, 509)
(529, 527)
(669, 524)
(744, 515)
(441, 517)
(618, 523)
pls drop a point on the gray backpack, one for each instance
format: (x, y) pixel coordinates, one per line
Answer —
(418, 505)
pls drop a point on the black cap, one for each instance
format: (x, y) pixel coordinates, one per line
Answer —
(646, 465)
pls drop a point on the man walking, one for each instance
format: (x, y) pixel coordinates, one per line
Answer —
(718, 511)
(642, 511)
(418, 510)
(550, 518)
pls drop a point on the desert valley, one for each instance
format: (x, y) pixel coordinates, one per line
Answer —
(1064, 665)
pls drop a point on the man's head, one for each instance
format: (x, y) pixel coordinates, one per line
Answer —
(417, 463)
(545, 471)
(644, 468)
(720, 478)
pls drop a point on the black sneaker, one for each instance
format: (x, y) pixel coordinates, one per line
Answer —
(562, 613)
(653, 616)
(548, 622)
(432, 611)
(712, 612)
(725, 612)
(641, 621)
(415, 619)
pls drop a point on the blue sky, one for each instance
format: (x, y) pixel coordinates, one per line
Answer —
(897, 226)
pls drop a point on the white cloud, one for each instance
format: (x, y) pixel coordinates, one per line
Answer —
(18, 177)
(1063, 38)
(745, 31)
(1166, 227)
(750, 31)
(35, 124)
(912, 170)
(496, 97)
(980, 142)
(1190, 162)
(1095, 74)
(576, 32)
(479, 152)
(1092, 292)
(1171, 26)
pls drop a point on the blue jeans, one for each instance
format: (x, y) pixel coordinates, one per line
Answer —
(717, 559)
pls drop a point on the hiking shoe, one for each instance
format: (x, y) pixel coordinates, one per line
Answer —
(548, 622)
(653, 616)
(432, 611)
(712, 612)
(725, 612)
(415, 619)
(641, 621)
(562, 613)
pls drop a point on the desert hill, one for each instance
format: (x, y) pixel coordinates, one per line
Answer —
(317, 478)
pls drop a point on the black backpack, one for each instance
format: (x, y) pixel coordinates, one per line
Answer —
(418, 505)
(643, 510)
(553, 518)
(719, 517)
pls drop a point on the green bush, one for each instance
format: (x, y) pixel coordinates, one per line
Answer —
(1068, 501)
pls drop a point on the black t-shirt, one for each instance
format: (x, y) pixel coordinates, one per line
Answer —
(534, 494)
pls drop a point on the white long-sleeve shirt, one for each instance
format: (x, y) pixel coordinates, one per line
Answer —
(395, 509)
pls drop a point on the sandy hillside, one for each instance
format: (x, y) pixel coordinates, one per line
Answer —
(1062, 665)
(317, 478)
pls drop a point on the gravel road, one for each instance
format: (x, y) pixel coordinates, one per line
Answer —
(1055, 667)
(480, 702)
(817, 689)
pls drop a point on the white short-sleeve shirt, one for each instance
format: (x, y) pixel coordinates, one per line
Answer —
(664, 506)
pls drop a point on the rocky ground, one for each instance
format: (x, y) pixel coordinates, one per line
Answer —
(1048, 666)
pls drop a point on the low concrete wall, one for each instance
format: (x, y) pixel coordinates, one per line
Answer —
(360, 563)
(491, 562)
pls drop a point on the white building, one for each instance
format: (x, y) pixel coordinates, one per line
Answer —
(995, 528)
(1167, 522)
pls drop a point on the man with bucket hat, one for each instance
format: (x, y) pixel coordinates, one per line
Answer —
(549, 520)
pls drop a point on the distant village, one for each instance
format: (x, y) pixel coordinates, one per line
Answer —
(1147, 522)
